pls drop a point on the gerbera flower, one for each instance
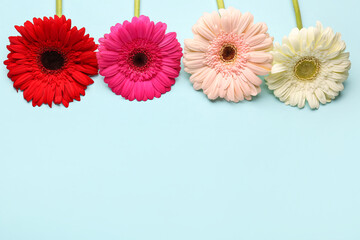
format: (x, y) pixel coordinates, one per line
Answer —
(138, 60)
(310, 65)
(227, 53)
(51, 61)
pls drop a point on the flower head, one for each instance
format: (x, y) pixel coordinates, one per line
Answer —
(310, 65)
(51, 61)
(227, 53)
(138, 60)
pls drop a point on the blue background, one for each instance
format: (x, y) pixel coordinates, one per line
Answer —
(180, 167)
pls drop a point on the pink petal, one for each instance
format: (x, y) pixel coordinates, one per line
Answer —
(158, 85)
(144, 19)
(149, 91)
(110, 71)
(165, 80)
(115, 81)
(169, 38)
(127, 89)
(141, 29)
(149, 30)
(118, 90)
(170, 72)
(124, 35)
(159, 32)
(139, 91)
(131, 29)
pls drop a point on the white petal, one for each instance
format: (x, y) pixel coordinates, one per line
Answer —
(278, 68)
(320, 95)
(312, 100)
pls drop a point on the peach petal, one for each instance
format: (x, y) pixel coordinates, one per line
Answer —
(250, 76)
(265, 45)
(255, 29)
(196, 45)
(239, 95)
(256, 40)
(260, 57)
(213, 22)
(259, 70)
(231, 92)
(245, 20)
(244, 86)
(209, 79)
(203, 31)
(199, 75)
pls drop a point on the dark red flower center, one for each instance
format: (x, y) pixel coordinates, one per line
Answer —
(140, 59)
(52, 60)
(228, 53)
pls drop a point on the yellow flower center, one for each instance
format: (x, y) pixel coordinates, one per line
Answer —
(228, 53)
(307, 68)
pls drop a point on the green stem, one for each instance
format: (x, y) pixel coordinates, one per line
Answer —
(297, 14)
(137, 8)
(220, 4)
(59, 8)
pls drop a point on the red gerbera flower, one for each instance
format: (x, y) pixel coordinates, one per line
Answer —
(51, 61)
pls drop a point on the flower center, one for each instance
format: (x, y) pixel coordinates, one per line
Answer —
(52, 60)
(140, 59)
(228, 53)
(307, 68)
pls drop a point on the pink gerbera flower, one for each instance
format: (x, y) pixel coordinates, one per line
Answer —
(138, 60)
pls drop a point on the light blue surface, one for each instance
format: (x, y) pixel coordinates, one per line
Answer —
(180, 167)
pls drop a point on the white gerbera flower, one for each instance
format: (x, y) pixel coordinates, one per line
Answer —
(310, 65)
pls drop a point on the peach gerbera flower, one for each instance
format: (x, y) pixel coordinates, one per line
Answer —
(227, 53)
